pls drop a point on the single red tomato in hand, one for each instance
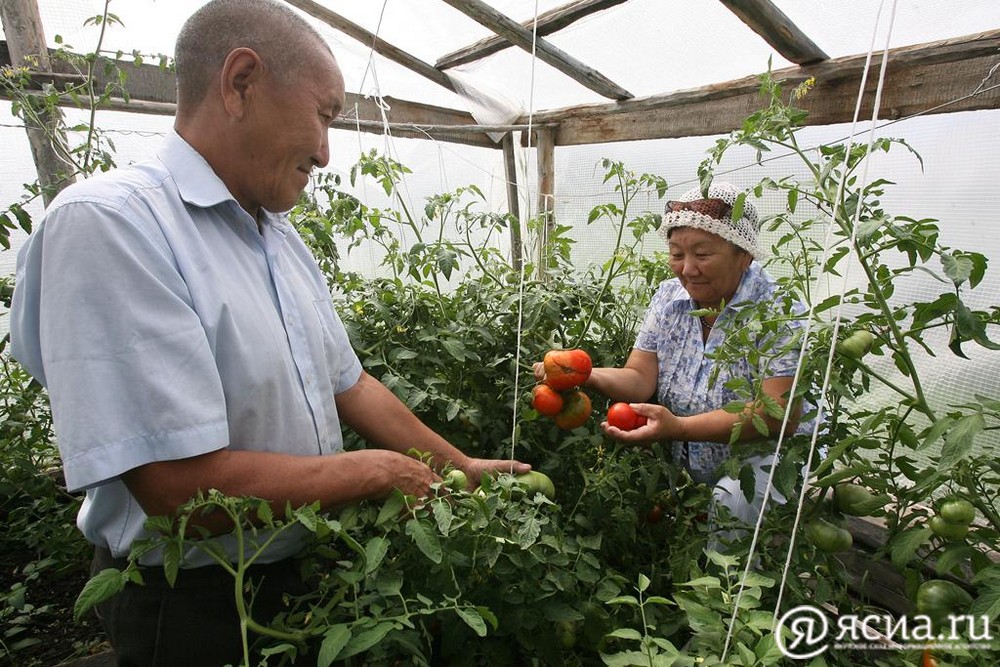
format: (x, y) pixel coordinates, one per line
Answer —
(546, 400)
(621, 415)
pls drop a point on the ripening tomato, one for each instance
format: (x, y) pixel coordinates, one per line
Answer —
(537, 482)
(938, 598)
(575, 412)
(946, 529)
(621, 415)
(565, 369)
(857, 345)
(958, 510)
(457, 480)
(851, 498)
(546, 400)
(828, 537)
(654, 514)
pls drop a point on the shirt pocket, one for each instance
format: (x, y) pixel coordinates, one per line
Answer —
(331, 344)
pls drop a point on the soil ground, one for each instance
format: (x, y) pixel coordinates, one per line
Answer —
(57, 638)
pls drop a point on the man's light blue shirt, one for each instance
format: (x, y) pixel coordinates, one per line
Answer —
(165, 324)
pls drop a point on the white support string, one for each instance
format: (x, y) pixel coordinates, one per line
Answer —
(807, 330)
(514, 431)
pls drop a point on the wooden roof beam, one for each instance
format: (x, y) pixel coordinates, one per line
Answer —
(937, 77)
(546, 24)
(376, 43)
(777, 30)
(153, 90)
(485, 15)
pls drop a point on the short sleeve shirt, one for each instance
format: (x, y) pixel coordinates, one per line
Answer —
(165, 323)
(684, 378)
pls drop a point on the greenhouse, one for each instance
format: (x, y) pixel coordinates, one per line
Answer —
(719, 272)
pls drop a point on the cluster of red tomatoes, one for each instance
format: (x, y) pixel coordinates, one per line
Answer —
(560, 395)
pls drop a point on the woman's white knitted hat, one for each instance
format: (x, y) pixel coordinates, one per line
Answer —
(715, 219)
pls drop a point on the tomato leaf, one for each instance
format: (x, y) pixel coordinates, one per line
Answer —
(363, 641)
(473, 619)
(375, 552)
(426, 541)
(99, 588)
(334, 641)
(987, 603)
(960, 439)
(906, 544)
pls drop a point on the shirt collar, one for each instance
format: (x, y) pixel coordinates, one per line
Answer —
(197, 182)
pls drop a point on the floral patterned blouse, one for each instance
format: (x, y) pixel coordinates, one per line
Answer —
(684, 382)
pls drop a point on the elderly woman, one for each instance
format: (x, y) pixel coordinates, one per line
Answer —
(712, 258)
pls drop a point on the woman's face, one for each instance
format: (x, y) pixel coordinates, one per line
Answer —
(709, 267)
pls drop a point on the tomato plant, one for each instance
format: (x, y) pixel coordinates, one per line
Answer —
(565, 369)
(576, 410)
(621, 415)
(546, 400)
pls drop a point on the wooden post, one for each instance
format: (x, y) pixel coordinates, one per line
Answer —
(26, 41)
(546, 204)
(510, 175)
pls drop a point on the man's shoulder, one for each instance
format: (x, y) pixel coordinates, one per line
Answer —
(116, 188)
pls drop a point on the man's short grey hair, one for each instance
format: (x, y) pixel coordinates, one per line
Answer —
(272, 29)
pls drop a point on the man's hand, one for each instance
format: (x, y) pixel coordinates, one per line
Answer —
(474, 469)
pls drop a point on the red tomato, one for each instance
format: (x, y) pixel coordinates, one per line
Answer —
(621, 415)
(546, 400)
(655, 514)
(575, 412)
(565, 369)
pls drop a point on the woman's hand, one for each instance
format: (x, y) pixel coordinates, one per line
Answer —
(661, 424)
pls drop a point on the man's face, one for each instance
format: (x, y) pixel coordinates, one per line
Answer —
(288, 133)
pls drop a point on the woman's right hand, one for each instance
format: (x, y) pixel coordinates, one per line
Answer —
(538, 368)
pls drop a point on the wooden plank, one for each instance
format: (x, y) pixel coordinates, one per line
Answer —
(546, 166)
(513, 205)
(547, 23)
(485, 15)
(373, 41)
(152, 90)
(777, 30)
(22, 25)
(937, 77)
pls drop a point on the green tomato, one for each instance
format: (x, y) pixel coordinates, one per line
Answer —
(958, 510)
(849, 497)
(828, 537)
(857, 345)
(946, 529)
(566, 631)
(937, 598)
(537, 482)
(456, 480)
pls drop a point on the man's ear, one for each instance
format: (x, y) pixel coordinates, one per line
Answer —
(241, 73)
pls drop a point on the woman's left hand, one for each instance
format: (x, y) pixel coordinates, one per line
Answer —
(661, 424)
